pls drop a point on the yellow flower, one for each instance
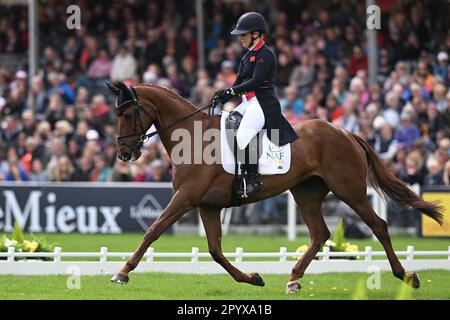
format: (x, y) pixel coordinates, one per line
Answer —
(351, 248)
(301, 249)
(330, 243)
(30, 246)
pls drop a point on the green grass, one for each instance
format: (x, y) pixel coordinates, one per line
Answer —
(128, 242)
(163, 286)
(435, 283)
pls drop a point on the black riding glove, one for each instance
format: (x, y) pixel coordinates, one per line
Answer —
(222, 96)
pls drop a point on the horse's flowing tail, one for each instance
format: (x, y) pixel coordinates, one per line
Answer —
(384, 182)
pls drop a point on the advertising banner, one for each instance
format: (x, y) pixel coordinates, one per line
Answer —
(429, 227)
(82, 207)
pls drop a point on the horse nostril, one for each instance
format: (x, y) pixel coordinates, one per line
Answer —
(125, 155)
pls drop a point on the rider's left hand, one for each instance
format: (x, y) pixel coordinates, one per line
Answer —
(222, 96)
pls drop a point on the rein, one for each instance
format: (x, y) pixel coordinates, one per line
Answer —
(134, 101)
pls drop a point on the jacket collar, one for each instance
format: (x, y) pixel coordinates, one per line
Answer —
(258, 45)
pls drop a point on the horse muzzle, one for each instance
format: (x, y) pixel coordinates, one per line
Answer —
(127, 154)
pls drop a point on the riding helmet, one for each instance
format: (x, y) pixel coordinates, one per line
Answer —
(248, 22)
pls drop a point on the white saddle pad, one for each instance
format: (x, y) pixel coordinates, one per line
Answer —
(273, 160)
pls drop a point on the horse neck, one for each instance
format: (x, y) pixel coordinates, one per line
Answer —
(170, 108)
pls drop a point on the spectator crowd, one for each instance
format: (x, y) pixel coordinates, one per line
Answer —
(60, 126)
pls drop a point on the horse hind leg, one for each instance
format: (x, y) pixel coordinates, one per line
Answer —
(379, 227)
(309, 196)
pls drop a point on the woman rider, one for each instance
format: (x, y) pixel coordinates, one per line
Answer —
(260, 106)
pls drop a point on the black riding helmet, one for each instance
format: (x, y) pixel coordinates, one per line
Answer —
(248, 22)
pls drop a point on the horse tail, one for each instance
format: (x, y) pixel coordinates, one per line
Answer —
(386, 183)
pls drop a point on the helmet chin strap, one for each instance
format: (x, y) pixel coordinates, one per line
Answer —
(253, 40)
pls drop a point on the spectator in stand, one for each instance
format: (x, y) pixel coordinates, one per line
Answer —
(100, 69)
(229, 76)
(334, 110)
(158, 173)
(385, 144)
(442, 68)
(63, 170)
(14, 170)
(124, 65)
(38, 174)
(349, 120)
(292, 100)
(284, 71)
(391, 113)
(120, 172)
(60, 87)
(175, 82)
(302, 76)
(408, 132)
(83, 170)
(357, 62)
(413, 173)
(101, 113)
(439, 92)
(101, 170)
(435, 172)
(55, 110)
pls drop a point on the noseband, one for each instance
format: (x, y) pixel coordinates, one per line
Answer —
(134, 102)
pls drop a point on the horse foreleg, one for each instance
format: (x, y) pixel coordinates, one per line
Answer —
(211, 220)
(177, 207)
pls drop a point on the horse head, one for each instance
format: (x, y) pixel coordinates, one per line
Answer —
(134, 118)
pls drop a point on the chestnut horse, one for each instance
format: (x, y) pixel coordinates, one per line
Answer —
(324, 158)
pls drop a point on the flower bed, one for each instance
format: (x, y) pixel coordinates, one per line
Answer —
(20, 244)
(338, 244)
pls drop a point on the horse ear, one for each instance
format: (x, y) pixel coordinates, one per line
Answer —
(113, 88)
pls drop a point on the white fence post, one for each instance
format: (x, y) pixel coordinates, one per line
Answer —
(283, 252)
(11, 251)
(291, 217)
(410, 253)
(194, 257)
(239, 252)
(57, 257)
(368, 253)
(103, 254)
(326, 253)
(448, 252)
(150, 253)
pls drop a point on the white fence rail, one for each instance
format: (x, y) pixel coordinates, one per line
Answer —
(12, 262)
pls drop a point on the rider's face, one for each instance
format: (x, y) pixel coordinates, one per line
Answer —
(246, 39)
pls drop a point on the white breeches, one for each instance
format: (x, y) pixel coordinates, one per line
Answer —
(252, 122)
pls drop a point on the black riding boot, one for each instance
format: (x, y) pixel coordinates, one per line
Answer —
(253, 181)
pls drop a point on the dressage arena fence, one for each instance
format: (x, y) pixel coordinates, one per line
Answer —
(282, 262)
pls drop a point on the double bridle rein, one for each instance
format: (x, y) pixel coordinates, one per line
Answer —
(134, 101)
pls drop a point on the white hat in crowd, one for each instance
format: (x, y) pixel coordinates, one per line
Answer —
(442, 56)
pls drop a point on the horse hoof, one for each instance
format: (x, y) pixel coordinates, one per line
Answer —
(257, 280)
(412, 279)
(120, 278)
(293, 287)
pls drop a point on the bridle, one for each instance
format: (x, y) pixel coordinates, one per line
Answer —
(134, 102)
